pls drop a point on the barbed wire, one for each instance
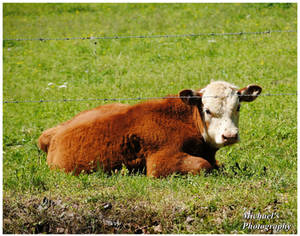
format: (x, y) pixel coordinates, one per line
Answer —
(136, 98)
(141, 37)
(153, 36)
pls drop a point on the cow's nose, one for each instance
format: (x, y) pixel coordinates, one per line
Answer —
(230, 137)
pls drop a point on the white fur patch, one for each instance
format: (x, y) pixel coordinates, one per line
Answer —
(220, 102)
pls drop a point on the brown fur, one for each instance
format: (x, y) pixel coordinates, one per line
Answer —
(160, 136)
(46, 136)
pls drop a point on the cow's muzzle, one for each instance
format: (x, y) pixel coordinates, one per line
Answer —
(230, 138)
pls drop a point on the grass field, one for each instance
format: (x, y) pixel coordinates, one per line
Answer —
(37, 200)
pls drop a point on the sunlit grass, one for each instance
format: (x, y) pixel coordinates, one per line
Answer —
(76, 69)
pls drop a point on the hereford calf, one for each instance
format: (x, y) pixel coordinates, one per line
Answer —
(162, 137)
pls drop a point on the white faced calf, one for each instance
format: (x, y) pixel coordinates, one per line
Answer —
(160, 136)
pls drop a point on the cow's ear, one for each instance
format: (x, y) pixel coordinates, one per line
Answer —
(190, 97)
(249, 93)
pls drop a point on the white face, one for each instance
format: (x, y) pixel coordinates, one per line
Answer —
(221, 114)
(220, 105)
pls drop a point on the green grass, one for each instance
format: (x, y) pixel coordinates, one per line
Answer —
(215, 203)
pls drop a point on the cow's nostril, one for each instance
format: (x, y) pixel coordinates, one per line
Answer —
(230, 137)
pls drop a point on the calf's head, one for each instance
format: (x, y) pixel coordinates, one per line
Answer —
(219, 105)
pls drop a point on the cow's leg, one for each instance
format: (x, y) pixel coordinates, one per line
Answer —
(164, 163)
(192, 164)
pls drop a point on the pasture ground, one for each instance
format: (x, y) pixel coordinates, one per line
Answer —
(37, 200)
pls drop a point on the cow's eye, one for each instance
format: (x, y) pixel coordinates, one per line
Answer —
(239, 107)
(207, 112)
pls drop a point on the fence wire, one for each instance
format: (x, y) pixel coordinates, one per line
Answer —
(153, 36)
(140, 37)
(136, 98)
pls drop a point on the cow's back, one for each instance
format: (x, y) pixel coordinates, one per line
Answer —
(44, 140)
(97, 113)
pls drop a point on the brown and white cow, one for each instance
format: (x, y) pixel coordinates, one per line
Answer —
(165, 136)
